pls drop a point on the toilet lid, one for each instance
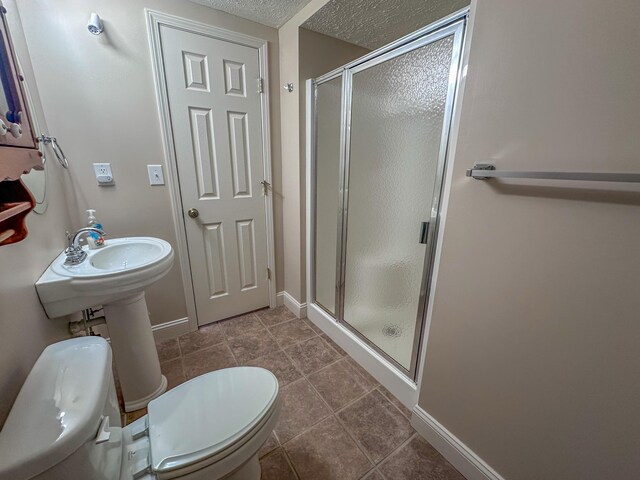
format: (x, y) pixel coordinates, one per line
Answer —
(208, 414)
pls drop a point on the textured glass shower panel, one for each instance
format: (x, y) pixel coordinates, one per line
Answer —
(398, 110)
(328, 115)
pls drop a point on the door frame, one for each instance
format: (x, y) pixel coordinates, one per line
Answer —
(155, 20)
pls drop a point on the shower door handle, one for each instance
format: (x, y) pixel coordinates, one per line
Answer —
(424, 232)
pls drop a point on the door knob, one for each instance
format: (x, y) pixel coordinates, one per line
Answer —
(193, 212)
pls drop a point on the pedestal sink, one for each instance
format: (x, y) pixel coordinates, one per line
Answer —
(115, 276)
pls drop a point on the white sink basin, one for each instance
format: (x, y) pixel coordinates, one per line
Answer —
(123, 256)
(120, 268)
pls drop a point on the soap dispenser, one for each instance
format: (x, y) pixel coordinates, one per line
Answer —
(94, 240)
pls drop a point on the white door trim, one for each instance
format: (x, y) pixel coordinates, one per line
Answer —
(154, 20)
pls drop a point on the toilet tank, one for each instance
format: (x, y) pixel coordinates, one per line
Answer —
(51, 430)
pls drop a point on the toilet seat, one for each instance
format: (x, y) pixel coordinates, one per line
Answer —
(206, 419)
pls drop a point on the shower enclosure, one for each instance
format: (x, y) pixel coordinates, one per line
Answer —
(378, 132)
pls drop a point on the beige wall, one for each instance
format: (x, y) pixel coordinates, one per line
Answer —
(26, 330)
(290, 131)
(533, 357)
(99, 97)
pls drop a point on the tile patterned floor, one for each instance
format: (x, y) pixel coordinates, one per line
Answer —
(336, 421)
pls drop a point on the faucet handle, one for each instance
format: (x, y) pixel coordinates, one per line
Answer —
(69, 237)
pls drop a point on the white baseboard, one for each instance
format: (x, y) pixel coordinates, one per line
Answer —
(451, 448)
(172, 329)
(299, 309)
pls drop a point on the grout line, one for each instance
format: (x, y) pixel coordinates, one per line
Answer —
(324, 368)
(332, 348)
(391, 401)
(355, 440)
(272, 336)
(179, 346)
(232, 354)
(333, 414)
(402, 445)
(291, 464)
(347, 405)
(184, 372)
(304, 376)
(279, 323)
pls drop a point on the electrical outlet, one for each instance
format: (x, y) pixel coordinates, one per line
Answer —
(156, 177)
(103, 172)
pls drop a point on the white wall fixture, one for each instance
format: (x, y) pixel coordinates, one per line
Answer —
(156, 176)
(115, 277)
(95, 24)
(104, 175)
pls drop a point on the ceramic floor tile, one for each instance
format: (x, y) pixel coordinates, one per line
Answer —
(301, 409)
(322, 447)
(374, 475)
(405, 411)
(377, 424)
(234, 327)
(173, 371)
(208, 360)
(312, 355)
(312, 326)
(204, 337)
(340, 384)
(270, 445)
(252, 345)
(362, 371)
(291, 332)
(418, 459)
(168, 349)
(276, 467)
(327, 452)
(273, 316)
(280, 365)
(333, 344)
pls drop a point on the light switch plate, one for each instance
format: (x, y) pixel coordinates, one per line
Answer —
(156, 177)
(103, 172)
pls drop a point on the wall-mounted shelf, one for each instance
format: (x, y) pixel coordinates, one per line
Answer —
(8, 210)
(18, 144)
(15, 203)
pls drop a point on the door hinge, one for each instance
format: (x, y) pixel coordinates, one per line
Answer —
(268, 273)
(260, 85)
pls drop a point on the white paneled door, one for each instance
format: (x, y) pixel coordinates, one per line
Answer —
(214, 96)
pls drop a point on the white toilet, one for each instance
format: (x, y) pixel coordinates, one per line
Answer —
(65, 423)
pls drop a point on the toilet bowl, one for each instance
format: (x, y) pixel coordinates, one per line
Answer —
(65, 423)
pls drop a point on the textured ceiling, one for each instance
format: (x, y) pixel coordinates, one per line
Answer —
(273, 13)
(374, 23)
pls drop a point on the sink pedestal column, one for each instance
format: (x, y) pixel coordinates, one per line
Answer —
(134, 351)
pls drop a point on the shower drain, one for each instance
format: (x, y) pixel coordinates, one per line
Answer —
(393, 331)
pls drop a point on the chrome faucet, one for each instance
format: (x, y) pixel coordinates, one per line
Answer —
(74, 252)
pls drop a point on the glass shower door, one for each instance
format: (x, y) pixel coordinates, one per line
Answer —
(396, 145)
(328, 115)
